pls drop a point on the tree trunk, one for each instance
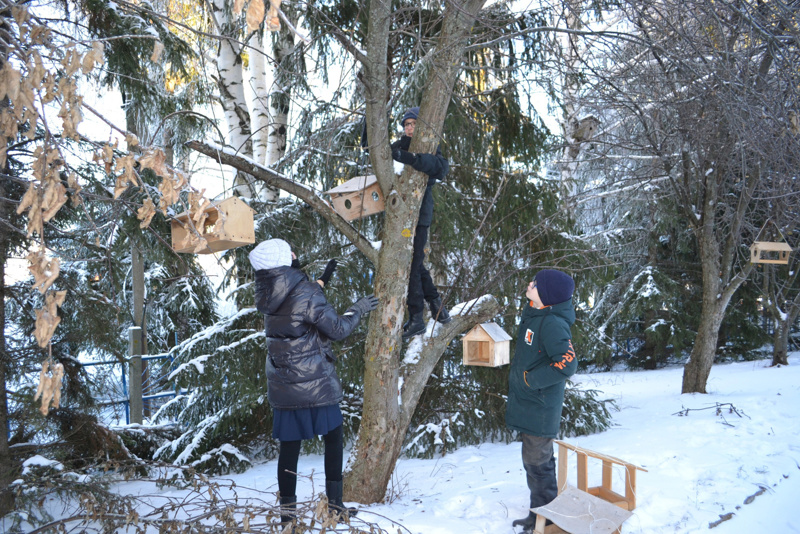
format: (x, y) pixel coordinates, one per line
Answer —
(388, 404)
(230, 82)
(7, 468)
(283, 48)
(697, 369)
(780, 345)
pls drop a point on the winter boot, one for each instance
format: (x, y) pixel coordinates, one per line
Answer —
(527, 523)
(414, 326)
(438, 311)
(334, 490)
(542, 485)
(288, 509)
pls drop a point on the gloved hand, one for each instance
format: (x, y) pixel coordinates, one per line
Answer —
(328, 272)
(404, 157)
(366, 304)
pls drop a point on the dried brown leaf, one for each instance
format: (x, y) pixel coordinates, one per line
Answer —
(55, 196)
(146, 212)
(156, 159)
(72, 183)
(255, 15)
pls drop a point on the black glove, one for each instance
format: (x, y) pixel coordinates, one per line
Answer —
(404, 143)
(406, 158)
(328, 272)
(366, 304)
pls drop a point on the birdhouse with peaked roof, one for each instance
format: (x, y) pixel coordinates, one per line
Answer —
(486, 345)
(357, 197)
(770, 252)
(219, 226)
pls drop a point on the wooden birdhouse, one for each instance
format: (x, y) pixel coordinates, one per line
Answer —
(486, 345)
(770, 252)
(223, 225)
(357, 197)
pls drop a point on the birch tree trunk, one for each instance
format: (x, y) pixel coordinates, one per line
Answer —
(283, 48)
(230, 83)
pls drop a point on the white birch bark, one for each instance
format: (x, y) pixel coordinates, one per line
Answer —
(279, 99)
(230, 82)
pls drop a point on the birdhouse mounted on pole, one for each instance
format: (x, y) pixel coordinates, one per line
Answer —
(357, 197)
(770, 252)
(486, 345)
(220, 226)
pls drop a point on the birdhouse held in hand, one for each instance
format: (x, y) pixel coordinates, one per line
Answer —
(770, 252)
(486, 345)
(220, 226)
(357, 197)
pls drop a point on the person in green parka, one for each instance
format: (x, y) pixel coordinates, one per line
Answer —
(543, 361)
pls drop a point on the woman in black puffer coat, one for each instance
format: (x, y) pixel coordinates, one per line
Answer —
(302, 388)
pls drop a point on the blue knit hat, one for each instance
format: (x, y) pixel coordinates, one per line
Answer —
(554, 287)
(411, 113)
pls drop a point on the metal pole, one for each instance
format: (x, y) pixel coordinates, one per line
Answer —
(135, 374)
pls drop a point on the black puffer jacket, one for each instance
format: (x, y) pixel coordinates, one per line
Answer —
(300, 325)
(436, 167)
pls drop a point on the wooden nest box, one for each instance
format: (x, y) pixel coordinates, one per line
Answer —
(770, 252)
(486, 345)
(224, 225)
(357, 197)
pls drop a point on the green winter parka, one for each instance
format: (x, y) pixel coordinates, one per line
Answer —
(543, 360)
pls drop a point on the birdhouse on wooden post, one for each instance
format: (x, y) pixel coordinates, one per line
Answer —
(486, 345)
(357, 197)
(770, 252)
(220, 226)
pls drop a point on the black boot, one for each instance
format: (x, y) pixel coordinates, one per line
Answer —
(542, 484)
(334, 490)
(527, 523)
(288, 509)
(439, 312)
(414, 326)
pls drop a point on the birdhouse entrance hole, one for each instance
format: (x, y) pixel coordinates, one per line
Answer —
(357, 197)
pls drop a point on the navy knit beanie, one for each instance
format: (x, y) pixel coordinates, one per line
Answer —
(554, 287)
(411, 113)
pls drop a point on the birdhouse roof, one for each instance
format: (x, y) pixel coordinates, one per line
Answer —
(495, 331)
(354, 184)
(771, 245)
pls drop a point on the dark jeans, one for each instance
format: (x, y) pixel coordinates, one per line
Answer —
(290, 453)
(540, 469)
(420, 283)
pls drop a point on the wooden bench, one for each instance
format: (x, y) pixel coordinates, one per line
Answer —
(595, 510)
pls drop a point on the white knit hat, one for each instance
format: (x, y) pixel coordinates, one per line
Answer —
(270, 254)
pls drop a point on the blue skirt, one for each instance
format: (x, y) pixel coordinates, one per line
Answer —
(305, 423)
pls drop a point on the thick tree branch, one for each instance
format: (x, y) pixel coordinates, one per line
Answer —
(424, 351)
(304, 193)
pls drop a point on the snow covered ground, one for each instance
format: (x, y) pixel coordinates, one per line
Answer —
(700, 466)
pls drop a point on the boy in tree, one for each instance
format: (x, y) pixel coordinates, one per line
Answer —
(543, 361)
(420, 284)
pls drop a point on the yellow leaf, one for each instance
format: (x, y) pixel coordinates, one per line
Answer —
(237, 6)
